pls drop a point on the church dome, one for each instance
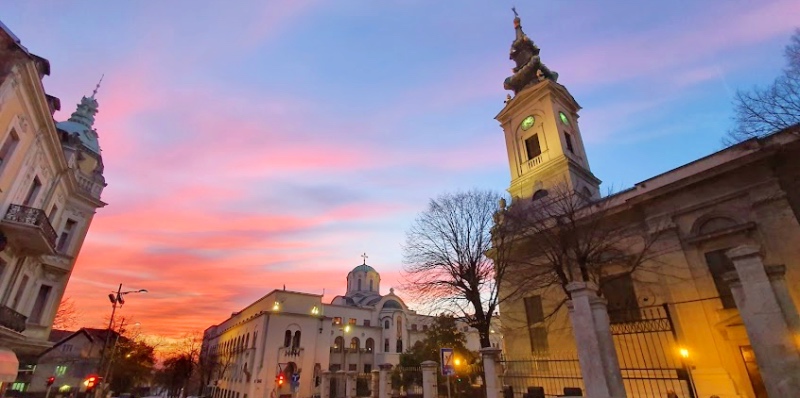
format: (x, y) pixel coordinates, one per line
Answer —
(363, 268)
(81, 123)
(363, 282)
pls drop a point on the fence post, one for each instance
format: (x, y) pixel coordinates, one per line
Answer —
(385, 384)
(596, 352)
(375, 383)
(429, 385)
(325, 380)
(350, 384)
(491, 377)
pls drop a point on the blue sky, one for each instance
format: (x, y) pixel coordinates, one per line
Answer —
(250, 144)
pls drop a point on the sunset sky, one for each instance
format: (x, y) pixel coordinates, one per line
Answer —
(252, 144)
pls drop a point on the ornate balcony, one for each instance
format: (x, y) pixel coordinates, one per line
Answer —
(12, 319)
(29, 230)
(290, 351)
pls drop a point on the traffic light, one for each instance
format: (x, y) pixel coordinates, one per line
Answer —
(51, 380)
(91, 382)
(280, 379)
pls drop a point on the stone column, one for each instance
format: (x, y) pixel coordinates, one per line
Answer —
(375, 383)
(768, 327)
(350, 385)
(429, 387)
(385, 384)
(325, 384)
(596, 352)
(491, 377)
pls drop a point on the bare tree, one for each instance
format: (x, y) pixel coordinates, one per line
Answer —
(445, 261)
(67, 315)
(567, 237)
(763, 111)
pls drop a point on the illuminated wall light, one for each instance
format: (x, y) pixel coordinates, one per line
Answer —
(276, 306)
(315, 310)
(684, 353)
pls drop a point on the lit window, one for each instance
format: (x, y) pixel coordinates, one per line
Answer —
(337, 320)
(61, 370)
(352, 321)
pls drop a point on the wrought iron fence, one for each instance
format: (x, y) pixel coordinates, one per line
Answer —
(12, 319)
(407, 381)
(467, 382)
(364, 385)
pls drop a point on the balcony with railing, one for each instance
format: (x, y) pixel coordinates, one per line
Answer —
(12, 319)
(290, 352)
(29, 230)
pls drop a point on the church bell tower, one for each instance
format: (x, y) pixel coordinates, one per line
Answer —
(544, 144)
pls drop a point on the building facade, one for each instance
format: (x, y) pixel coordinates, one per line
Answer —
(680, 326)
(51, 179)
(296, 333)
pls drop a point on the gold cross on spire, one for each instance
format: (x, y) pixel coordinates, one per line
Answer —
(364, 256)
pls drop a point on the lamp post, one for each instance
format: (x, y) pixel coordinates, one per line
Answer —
(115, 298)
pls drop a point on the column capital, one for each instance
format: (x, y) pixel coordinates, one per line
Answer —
(743, 251)
(490, 351)
(385, 366)
(429, 364)
(581, 288)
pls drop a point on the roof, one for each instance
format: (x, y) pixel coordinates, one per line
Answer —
(363, 268)
(58, 335)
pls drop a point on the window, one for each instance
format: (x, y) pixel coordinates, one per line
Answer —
(7, 150)
(370, 285)
(352, 321)
(537, 332)
(287, 338)
(18, 386)
(399, 346)
(33, 192)
(61, 370)
(52, 214)
(366, 322)
(66, 236)
(719, 264)
(413, 327)
(352, 367)
(359, 285)
(66, 348)
(255, 337)
(337, 320)
(540, 194)
(386, 324)
(296, 340)
(20, 291)
(369, 345)
(424, 328)
(367, 368)
(40, 304)
(623, 305)
(385, 345)
(355, 343)
(568, 139)
(338, 343)
(532, 146)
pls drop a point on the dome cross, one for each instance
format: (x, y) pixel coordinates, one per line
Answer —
(364, 256)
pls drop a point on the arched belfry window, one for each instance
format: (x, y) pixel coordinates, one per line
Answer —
(287, 338)
(296, 340)
(386, 324)
(370, 285)
(359, 284)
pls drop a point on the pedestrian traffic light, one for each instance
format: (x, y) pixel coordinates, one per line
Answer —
(51, 380)
(91, 382)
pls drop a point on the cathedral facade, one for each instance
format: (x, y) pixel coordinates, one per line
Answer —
(295, 333)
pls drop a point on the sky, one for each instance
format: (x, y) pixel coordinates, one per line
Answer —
(254, 144)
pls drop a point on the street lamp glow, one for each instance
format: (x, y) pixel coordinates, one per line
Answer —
(315, 310)
(276, 306)
(457, 361)
(684, 353)
(347, 329)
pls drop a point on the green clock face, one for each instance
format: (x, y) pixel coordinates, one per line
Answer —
(527, 123)
(563, 118)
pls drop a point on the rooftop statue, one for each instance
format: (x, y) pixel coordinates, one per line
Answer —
(525, 54)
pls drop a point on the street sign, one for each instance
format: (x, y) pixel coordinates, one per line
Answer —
(295, 377)
(446, 359)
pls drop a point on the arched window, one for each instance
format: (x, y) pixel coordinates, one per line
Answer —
(399, 346)
(385, 345)
(359, 284)
(370, 285)
(540, 194)
(386, 324)
(355, 343)
(370, 345)
(296, 340)
(338, 343)
(399, 326)
(287, 338)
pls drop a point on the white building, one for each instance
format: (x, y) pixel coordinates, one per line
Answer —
(294, 332)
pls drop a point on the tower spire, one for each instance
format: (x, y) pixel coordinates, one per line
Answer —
(98, 85)
(529, 68)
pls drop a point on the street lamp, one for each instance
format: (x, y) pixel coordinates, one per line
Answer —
(115, 298)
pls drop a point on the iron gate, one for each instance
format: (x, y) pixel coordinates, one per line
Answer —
(650, 357)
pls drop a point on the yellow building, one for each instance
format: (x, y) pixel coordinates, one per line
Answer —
(50, 185)
(685, 322)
